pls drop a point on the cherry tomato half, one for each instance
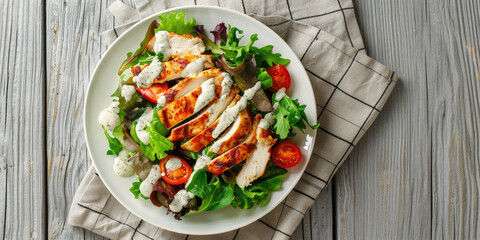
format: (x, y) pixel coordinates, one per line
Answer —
(286, 154)
(280, 77)
(152, 93)
(175, 176)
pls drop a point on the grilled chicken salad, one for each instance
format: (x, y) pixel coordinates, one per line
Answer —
(198, 120)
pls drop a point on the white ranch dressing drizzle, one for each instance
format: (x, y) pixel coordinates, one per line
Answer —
(162, 101)
(216, 146)
(180, 200)
(280, 94)
(127, 92)
(146, 187)
(121, 166)
(226, 85)
(108, 117)
(226, 88)
(162, 44)
(173, 164)
(147, 75)
(268, 120)
(142, 123)
(227, 118)
(193, 68)
(201, 162)
(208, 93)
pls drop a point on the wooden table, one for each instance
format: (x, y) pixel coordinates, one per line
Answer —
(415, 174)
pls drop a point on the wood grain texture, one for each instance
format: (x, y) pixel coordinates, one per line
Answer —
(74, 47)
(454, 118)
(318, 221)
(22, 122)
(415, 175)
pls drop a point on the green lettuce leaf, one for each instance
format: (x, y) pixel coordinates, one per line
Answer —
(115, 145)
(260, 190)
(216, 194)
(158, 144)
(175, 22)
(135, 189)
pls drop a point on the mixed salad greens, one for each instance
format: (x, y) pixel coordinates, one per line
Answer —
(138, 137)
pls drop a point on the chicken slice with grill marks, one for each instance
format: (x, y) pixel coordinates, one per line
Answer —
(206, 118)
(255, 165)
(204, 138)
(237, 154)
(173, 69)
(189, 84)
(184, 107)
(235, 134)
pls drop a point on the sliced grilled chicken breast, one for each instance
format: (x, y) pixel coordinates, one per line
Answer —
(173, 69)
(181, 45)
(235, 134)
(237, 154)
(184, 107)
(205, 137)
(255, 165)
(202, 121)
(189, 84)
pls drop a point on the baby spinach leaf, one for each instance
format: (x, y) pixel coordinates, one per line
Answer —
(215, 194)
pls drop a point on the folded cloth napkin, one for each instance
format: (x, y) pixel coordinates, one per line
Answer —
(350, 90)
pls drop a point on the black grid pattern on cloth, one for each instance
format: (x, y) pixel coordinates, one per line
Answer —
(115, 220)
(343, 158)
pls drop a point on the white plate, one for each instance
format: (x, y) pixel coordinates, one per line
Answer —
(104, 82)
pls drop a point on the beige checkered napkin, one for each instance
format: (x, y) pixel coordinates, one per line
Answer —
(350, 90)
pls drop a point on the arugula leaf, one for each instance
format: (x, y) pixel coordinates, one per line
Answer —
(264, 78)
(290, 114)
(135, 189)
(175, 22)
(260, 190)
(264, 55)
(216, 194)
(282, 126)
(235, 54)
(115, 145)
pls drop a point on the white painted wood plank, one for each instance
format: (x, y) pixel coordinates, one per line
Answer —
(74, 47)
(22, 153)
(383, 191)
(454, 115)
(416, 173)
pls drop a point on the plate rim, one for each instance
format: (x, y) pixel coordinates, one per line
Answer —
(123, 35)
